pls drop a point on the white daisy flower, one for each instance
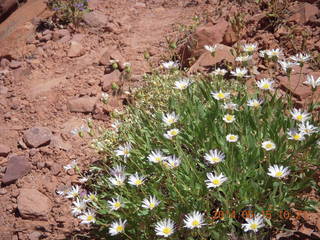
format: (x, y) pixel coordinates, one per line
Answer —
(287, 66)
(71, 165)
(117, 227)
(240, 72)
(301, 58)
(194, 220)
(278, 171)
(78, 207)
(150, 203)
(211, 49)
(254, 103)
(118, 170)
(214, 156)
(268, 145)
(311, 81)
(116, 124)
(232, 138)
(170, 118)
(182, 83)
(300, 115)
(274, 53)
(220, 95)
(214, 181)
(74, 192)
(75, 131)
(164, 228)
(170, 65)
(230, 106)
(91, 197)
(115, 204)
(124, 150)
(307, 128)
(60, 193)
(104, 97)
(253, 224)
(117, 180)
(295, 135)
(88, 217)
(228, 118)
(244, 58)
(263, 54)
(172, 162)
(250, 47)
(171, 133)
(219, 72)
(265, 84)
(156, 156)
(136, 180)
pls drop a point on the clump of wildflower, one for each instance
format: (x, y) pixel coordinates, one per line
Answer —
(220, 95)
(124, 150)
(240, 73)
(215, 181)
(88, 217)
(136, 180)
(311, 81)
(244, 58)
(172, 162)
(219, 72)
(278, 171)
(232, 138)
(171, 133)
(214, 156)
(228, 118)
(80, 131)
(115, 204)
(164, 228)
(249, 48)
(307, 128)
(170, 65)
(78, 207)
(150, 203)
(287, 66)
(274, 54)
(299, 115)
(255, 103)
(295, 135)
(211, 49)
(230, 106)
(182, 83)
(170, 118)
(74, 192)
(117, 180)
(117, 227)
(91, 197)
(156, 156)
(301, 58)
(268, 145)
(253, 224)
(265, 84)
(194, 220)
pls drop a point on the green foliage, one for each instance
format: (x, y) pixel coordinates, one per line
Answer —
(69, 11)
(182, 190)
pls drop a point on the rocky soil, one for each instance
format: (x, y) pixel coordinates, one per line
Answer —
(52, 80)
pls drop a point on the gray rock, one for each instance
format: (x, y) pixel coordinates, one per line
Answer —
(17, 167)
(32, 204)
(37, 137)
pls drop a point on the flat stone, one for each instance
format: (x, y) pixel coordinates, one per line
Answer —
(95, 19)
(108, 79)
(83, 104)
(37, 137)
(32, 204)
(17, 167)
(76, 49)
(4, 150)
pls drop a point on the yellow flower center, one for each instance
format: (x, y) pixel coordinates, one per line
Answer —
(152, 205)
(166, 230)
(279, 174)
(220, 95)
(119, 183)
(90, 218)
(215, 159)
(299, 117)
(256, 104)
(158, 159)
(173, 132)
(125, 151)
(269, 145)
(195, 223)
(266, 86)
(296, 137)
(138, 182)
(119, 228)
(216, 181)
(232, 138)
(117, 204)
(170, 120)
(229, 117)
(254, 226)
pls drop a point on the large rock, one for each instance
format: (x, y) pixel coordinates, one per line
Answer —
(206, 60)
(60, 33)
(83, 104)
(304, 13)
(95, 19)
(108, 79)
(37, 137)
(6, 6)
(4, 150)
(17, 167)
(75, 50)
(32, 204)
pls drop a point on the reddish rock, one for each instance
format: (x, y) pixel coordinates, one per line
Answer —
(4, 63)
(102, 111)
(109, 79)
(3, 90)
(95, 19)
(116, 55)
(105, 58)
(304, 13)
(206, 60)
(230, 37)
(60, 33)
(37, 137)
(4, 150)
(75, 50)
(17, 167)
(32, 204)
(83, 104)
(15, 64)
